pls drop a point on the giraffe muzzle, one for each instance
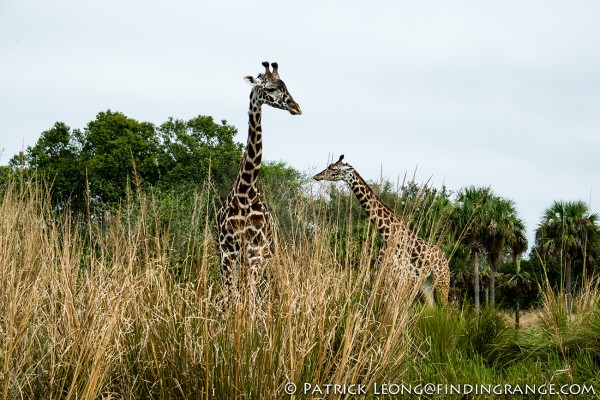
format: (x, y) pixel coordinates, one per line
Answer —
(294, 108)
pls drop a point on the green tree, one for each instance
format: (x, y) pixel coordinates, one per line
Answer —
(520, 281)
(282, 187)
(56, 158)
(5, 176)
(427, 210)
(568, 232)
(113, 152)
(195, 147)
(468, 218)
(502, 228)
(113, 147)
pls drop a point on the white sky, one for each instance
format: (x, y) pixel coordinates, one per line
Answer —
(505, 93)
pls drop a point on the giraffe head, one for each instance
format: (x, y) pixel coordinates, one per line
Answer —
(337, 171)
(270, 89)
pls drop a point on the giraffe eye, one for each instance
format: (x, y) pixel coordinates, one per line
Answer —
(270, 90)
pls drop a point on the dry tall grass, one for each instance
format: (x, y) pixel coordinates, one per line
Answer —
(129, 309)
(98, 312)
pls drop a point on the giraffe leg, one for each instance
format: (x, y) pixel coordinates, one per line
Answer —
(258, 250)
(256, 264)
(442, 284)
(229, 249)
(228, 268)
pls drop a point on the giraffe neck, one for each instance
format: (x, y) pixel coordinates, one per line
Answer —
(378, 212)
(245, 188)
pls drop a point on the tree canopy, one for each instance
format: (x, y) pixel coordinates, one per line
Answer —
(115, 152)
(569, 234)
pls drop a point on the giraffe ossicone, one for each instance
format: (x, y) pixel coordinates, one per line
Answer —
(414, 257)
(244, 225)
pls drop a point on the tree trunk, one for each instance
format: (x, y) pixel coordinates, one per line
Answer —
(492, 284)
(568, 272)
(517, 315)
(476, 284)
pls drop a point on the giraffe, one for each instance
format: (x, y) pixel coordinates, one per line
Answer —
(413, 255)
(244, 225)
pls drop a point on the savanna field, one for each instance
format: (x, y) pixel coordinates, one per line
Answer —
(308, 200)
(126, 303)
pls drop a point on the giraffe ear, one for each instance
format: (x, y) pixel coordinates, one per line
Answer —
(251, 80)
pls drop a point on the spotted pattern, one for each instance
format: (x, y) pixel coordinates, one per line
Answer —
(244, 225)
(409, 254)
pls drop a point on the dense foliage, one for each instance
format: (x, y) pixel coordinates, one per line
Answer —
(113, 153)
(186, 163)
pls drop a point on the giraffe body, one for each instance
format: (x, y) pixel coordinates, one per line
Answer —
(410, 255)
(244, 225)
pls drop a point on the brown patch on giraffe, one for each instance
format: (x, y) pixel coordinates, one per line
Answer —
(246, 176)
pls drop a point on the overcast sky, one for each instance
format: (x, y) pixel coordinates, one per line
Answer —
(505, 94)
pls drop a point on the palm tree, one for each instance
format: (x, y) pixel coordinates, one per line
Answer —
(468, 220)
(566, 232)
(502, 229)
(519, 282)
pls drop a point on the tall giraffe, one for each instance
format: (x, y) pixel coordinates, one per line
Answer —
(408, 252)
(244, 225)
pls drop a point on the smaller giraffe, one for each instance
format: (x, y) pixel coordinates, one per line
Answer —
(244, 225)
(408, 252)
